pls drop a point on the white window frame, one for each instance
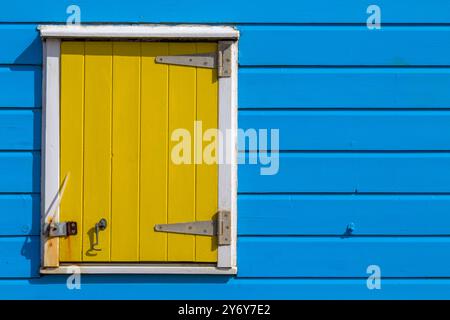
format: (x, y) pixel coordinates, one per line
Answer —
(50, 190)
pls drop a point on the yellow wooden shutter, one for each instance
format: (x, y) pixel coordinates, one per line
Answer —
(118, 110)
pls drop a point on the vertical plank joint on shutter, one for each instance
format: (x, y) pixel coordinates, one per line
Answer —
(71, 145)
(97, 157)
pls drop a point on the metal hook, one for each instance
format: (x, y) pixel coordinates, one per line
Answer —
(99, 226)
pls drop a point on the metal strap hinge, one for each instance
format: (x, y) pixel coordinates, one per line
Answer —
(220, 59)
(220, 227)
(61, 229)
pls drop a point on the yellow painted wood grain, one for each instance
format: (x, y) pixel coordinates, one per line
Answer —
(182, 114)
(71, 145)
(97, 149)
(154, 151)
(119, 151)
(206, 194)
(125, 151)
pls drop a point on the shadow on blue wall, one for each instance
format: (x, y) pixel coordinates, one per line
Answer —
(32, 54)
(135, 279)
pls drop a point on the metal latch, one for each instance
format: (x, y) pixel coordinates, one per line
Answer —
(220, 227)
(61, 229)
(220, 59)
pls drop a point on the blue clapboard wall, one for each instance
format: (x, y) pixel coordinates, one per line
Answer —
(364, 124)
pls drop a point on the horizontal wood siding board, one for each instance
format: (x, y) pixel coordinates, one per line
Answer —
(19, 214)
(20, 87)
(204, 11)
(19, 257)
(20, 129)
(313, 45)
(343, 257)
(344, 46)
(20, 172)
(333, 214)
(351, 130)
(329, 87)
(22, 44)
(352, 172)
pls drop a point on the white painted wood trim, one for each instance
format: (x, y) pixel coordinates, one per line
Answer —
(234, 152)
(139, 31)
(228, 169)
(43, 156)
(139, 269)
(50, 143)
